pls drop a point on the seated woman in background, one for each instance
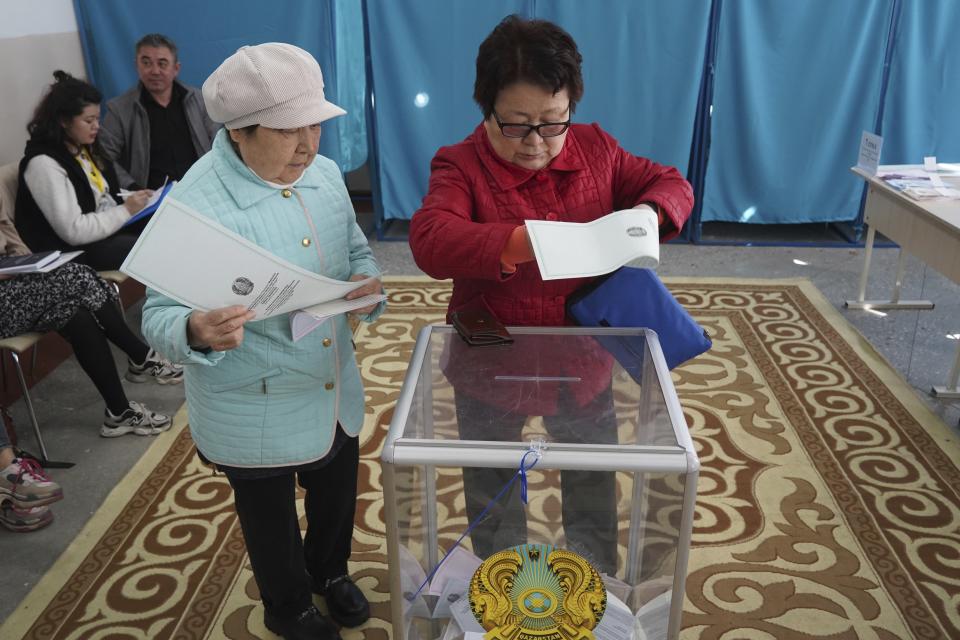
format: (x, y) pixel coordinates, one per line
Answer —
(67, 197)
(81, 306)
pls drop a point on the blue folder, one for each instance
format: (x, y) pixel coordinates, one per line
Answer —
(631, 297)
(151, 209)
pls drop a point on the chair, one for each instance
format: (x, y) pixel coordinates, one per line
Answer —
(115, 278)
(17, 345)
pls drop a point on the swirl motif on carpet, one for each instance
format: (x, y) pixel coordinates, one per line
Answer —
(828, 500)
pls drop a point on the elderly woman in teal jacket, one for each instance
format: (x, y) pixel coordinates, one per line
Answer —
(264, 409)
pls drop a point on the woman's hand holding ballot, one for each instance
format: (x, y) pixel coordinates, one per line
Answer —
(219, 329)
(374, 286)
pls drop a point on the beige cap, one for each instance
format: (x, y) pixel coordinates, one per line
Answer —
(274, 84)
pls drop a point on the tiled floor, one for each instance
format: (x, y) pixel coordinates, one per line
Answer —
(915, 342)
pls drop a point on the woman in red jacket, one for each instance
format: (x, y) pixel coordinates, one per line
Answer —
(528, 161)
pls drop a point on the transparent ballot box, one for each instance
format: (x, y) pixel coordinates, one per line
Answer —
(583, 424)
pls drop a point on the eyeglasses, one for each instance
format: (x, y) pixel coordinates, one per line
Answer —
(544, 129)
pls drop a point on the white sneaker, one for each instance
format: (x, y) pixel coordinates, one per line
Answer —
(156, 367)
(137, 419)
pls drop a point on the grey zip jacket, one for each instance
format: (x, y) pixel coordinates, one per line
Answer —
(125, 132)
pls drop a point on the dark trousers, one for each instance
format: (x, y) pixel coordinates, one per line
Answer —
(279, 555)
(88, 334)
(588, 509)
(110, 252)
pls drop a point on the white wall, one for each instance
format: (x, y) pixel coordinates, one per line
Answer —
(36, 37)
(36, 17)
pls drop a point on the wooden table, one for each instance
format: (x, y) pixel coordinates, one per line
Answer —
(928, 229)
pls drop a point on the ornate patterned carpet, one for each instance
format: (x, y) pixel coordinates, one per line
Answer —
(829, 499)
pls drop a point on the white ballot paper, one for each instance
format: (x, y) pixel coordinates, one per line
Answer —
(617, 622)
(412, 576)
(452, 631)
(653, 618)
(204, 265)
(306, 320)
(459, 564)
(453, 589)
(581, 249)
(464, 617)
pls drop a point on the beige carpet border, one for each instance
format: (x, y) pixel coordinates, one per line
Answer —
(879, 365)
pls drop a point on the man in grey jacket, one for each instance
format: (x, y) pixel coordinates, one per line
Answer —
(158, 129)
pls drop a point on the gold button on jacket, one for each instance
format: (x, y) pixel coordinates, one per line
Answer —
(326, 342)
(305, 242)
(328, 386)
(286, 193)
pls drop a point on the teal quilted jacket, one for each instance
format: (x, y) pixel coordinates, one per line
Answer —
(272, 401)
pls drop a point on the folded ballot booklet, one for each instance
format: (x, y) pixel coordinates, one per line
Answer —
(216, 267)
(583, 249)
(303, 321)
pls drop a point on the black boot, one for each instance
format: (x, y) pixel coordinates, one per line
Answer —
(309, 625)
(347, 604)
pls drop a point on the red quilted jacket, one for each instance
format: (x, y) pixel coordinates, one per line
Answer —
(476, 199)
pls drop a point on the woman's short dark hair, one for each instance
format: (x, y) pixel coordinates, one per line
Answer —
(65, 100)
(534, 51)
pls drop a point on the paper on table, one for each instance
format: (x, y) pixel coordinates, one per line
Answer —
(943, 169)
(581, 249)
(204, 265)
(924, 193)
(949, 168)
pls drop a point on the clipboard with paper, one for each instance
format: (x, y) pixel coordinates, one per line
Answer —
(152, 204)
(215, 267)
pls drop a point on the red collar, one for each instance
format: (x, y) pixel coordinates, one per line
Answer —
(509, 175)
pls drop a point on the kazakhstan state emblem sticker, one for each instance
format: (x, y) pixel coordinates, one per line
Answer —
(537, 592)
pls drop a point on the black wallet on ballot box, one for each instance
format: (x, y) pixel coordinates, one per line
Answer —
(479, 327)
